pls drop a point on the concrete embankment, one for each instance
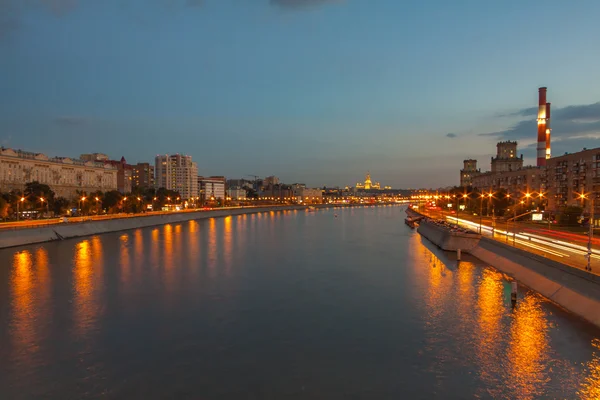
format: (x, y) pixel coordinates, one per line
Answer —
(21, 237)
(576, 290)
(448, 240)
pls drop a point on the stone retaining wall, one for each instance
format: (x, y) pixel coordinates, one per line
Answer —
(21, 237)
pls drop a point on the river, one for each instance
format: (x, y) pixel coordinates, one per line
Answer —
(332, 304)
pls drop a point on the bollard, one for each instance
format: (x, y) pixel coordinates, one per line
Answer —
(513, 292)
(458, 255)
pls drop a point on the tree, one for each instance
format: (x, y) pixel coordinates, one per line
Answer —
(60, 205)
(112, 200)
(4, 205)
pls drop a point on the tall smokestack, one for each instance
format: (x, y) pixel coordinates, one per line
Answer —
(542, 132)
(548, 130)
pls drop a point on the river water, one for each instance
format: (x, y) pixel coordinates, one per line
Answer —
(333, 304)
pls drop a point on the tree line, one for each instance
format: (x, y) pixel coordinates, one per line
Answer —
(40, 198)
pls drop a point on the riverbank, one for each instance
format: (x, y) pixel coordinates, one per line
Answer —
(48, 233)
(576, 290)
(60, 231)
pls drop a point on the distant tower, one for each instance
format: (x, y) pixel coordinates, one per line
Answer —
(543, 123)
(468, 172)
(368, 181)
(506, 157)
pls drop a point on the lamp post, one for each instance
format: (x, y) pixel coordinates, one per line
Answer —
(98, 201)
(153, 200)
(588, 267)
(81, 204)
(47, 205)
(591, 231)
(481, 210)
(508, 197)
(21, 200)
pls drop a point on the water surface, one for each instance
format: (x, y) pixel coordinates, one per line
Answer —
(333, 304)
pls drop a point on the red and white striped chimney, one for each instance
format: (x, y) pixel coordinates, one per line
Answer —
(543, 123)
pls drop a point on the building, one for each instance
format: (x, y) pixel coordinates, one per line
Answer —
(468, 172)
(517, 183)
(278, 192)
(64, 175)
(211, 188)
(368, 184)
(143, 175)
(569, 176)
(271, 180)
(236, 193)
(506, 158)
(124, 170)
(302, 193)
(176, 172)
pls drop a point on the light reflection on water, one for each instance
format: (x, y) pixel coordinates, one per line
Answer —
(279, 305)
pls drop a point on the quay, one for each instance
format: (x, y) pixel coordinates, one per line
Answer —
(574, 289)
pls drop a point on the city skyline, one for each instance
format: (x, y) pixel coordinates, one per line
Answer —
(317, 94)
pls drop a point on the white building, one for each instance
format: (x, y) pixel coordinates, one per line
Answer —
(177, 172)
(301, 192)
(212, 188)
(64, 175)
(236, 193)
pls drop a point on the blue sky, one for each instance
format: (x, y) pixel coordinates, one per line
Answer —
(314, 91)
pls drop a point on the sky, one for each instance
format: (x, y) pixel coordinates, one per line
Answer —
(312, 91)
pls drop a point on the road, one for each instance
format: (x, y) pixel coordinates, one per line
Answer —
(565, 247)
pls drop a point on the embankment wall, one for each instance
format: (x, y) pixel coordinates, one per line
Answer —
(447, 240)
(574, 289)
(21, 237)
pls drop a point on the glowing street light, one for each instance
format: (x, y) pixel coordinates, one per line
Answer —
(21, 200)
(47, 205)
(81, 200)
(590, 230)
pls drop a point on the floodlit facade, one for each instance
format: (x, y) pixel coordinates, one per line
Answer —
(177, 172)
(571, 175)
(211, 188)
(64, 175)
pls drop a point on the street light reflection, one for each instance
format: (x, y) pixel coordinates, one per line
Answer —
(527, 350)
(590, 387)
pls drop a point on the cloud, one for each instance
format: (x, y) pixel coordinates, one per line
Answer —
(301, 3)
(569, 145)
(451, 135)
(11, 11)
(577, 121)
(525, 112)
(70, 120)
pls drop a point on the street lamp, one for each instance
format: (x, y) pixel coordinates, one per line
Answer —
(47, 205)
(21, 200)
(481, 210)
(81, 204)
(97, 201)
(590, 230)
